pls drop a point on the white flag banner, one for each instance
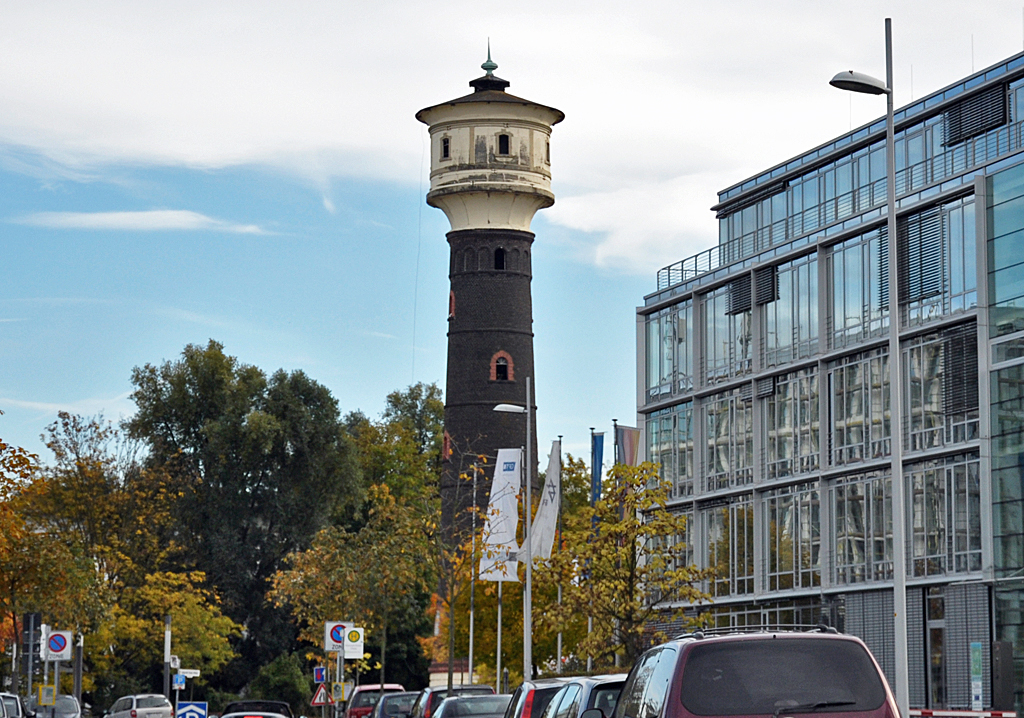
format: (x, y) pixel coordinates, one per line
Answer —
(499, 541)
(545, 521)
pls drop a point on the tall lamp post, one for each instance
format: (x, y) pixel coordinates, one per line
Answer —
(528, 592)
(857, 82)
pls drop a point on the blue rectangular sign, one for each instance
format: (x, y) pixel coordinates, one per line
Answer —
(191, 709)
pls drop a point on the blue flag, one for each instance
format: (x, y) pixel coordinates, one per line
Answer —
(596, 462)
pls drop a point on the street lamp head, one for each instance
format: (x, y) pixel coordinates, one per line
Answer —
(859, 82)
(510, 408)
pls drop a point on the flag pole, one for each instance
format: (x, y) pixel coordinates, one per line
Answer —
(472, 579)
(558, 665)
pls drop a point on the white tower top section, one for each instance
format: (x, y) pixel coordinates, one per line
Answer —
(490, 156)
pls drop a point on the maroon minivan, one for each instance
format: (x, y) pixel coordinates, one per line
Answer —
(765, 673)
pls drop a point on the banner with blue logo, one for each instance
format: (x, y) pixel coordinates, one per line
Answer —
(498, 562)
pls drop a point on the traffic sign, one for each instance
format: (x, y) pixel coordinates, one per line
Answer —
(339, 691)
(334, 636)
(191, 709)
(189, 672)
(353, 642)
(178, 682)
(320, 674)
(321, 697)
(47, 695)
(58, 646)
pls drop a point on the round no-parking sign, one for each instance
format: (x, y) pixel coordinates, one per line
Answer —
(58, 646)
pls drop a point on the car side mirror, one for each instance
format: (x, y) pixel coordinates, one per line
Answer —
(593, 713)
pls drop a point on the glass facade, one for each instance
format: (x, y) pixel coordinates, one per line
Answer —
(791, 319)
(791, 425)
(786, 386)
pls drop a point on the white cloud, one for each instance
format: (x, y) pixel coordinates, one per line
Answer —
(151, 220)
(120, 405)
(664, 101)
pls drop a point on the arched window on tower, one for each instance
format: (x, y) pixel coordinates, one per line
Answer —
(499, 259)
(503, 144)
(502, 368)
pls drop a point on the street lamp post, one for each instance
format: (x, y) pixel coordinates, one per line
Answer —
(528, 592)
(857, 82)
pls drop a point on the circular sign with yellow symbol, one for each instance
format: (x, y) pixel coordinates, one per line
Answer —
(353, 636)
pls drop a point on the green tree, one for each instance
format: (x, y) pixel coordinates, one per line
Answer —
(622, 563)
(127, 649)
(273, 465)
(97, 496)
(373, 575)
(283, 679)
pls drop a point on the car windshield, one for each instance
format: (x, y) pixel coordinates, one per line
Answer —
(152, 702)
(766, 677)
(11, 704)
(482, 705)
(66, 705)
(365, 699)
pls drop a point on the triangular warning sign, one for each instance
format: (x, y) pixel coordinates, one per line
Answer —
(322, 697)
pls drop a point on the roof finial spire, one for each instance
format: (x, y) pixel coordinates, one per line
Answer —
(490, 66)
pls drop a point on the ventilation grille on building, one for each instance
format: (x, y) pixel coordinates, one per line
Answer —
(883, 265)
(739, 295)
(765, 387)
(967, 621)
(975, 115)
(920, 254)
(960, 384)
(766, 285)
(746, 392)
(869, 617)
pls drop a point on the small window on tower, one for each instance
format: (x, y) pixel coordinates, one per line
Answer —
(547, 157)
(446, 148)
(503, 144)
(502, 367)
(499, 259)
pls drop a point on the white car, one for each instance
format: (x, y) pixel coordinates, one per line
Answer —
(148, 705)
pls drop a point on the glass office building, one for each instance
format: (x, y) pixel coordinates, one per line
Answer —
(763, 389)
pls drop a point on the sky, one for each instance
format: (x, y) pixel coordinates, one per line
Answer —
(252, 172)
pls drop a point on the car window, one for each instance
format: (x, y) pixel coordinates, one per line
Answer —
(66, 704)
(659, 682)
(397, 704)
(11, 706)
(569, 703)
(515, 706)
(552, 708)
(750, 677)
(605, 697)
(152, 702)
(120, 704)
(541, 698)
(365, 699)
(633, 692)
(488, 705)
(420, 705)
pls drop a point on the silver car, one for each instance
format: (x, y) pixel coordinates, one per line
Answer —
(147, 705)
